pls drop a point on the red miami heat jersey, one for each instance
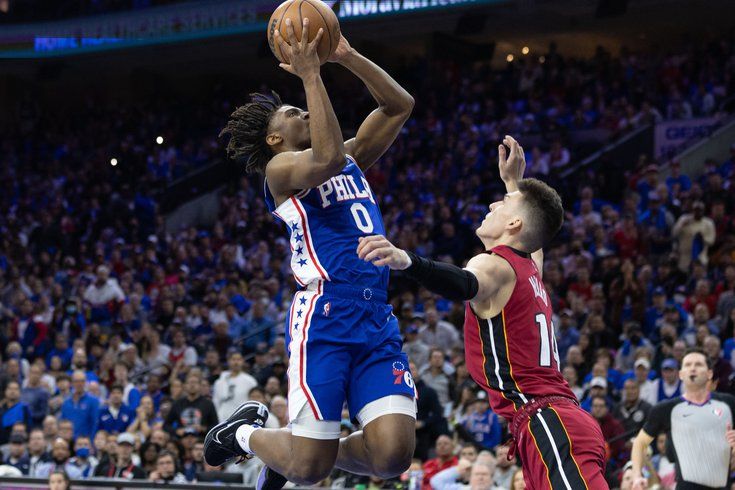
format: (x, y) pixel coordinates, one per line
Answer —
(513, 356)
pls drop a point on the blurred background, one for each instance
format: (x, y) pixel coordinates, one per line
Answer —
(132, 251)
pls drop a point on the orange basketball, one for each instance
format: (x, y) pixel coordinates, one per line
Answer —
(319, 15)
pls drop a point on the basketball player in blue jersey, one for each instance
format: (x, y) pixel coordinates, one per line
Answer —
(344, 342)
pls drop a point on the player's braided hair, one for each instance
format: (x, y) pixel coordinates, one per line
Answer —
(248, 127)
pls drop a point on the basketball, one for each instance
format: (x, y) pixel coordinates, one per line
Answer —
(319, 15)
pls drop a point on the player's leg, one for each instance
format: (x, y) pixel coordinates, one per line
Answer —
(562, 448)
(384, 447)
(381, 396)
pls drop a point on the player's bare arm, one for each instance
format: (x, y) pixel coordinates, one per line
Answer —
(291, 171)
(381, 127)
(484, 281)
(512, 167)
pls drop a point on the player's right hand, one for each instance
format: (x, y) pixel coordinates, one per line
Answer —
(378, 250)
(511, 166)
(302, 56)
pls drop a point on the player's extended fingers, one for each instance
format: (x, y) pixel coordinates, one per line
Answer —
(315, 42)
(370, 247)
(502, 154)
(378, 253)
(305, 33)
(368, 243)
(291, 34)
(287, 67)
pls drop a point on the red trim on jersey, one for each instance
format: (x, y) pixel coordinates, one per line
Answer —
(306, 238)
(302, 370)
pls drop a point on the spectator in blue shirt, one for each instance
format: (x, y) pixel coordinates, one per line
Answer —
(81, 408)
(35, 395)
(115, 417)
(567, 335)
(12, 410)
(61, 350)
(482, 423)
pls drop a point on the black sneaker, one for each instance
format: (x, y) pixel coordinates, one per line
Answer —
(270, 480)
(220, 445)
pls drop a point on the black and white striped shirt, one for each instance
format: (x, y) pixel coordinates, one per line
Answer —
(696, 439)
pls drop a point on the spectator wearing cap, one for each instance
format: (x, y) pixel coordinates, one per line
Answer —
(598, 386)
(415, 348)
(232, 386)
(18, 457)
(567, 334)
(721, 369)
(668, 386)
(104, 296)
(438, 333)
(632, 411)
(694, 234)
(644, 377)
(12, 411)
(115, 416)
(81, 408)
(481, 424)
(191, 410)
(121, 465)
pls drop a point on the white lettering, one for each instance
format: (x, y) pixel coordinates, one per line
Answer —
(358, 193)
(368, 190)
(324, 190)
(340, 188)
(538, 289)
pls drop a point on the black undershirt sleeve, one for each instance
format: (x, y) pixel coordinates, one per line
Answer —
(444, 279)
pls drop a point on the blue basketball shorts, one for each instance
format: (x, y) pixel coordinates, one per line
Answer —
(344, 344)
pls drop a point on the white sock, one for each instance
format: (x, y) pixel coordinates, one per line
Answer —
(243, 434)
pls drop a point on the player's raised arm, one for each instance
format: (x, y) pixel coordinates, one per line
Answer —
(479, 282)
(512, 167)
(294, 170)
(395, 104)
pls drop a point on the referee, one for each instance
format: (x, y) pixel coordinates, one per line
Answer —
(698, 430)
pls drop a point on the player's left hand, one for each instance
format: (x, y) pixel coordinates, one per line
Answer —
(513, 166)
(342, 51)
(378, 250)
(730, 436)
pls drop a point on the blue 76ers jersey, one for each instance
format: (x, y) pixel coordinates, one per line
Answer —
(324, 224)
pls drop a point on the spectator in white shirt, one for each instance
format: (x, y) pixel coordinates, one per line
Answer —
(232, 387)
(104, 289)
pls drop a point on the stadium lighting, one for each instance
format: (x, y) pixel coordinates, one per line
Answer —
(541, 59)
(509, 58)
(525, 50)
(159, 140)
(113, 162)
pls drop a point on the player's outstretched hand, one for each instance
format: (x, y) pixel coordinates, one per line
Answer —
(640, 484)
(511, 166)
(378, 250)
(302, 56)
(342, 51)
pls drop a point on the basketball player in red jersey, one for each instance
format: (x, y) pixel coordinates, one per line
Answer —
(509, 338)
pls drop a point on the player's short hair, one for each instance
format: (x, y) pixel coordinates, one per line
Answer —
(545, 209)
(248, 128)
(697, 350)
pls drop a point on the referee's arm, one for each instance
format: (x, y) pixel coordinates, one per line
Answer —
(638, 455)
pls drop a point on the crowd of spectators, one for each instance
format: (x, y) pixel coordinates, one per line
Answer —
(124, 343)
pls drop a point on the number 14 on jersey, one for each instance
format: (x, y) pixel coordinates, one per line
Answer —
(548, 341)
